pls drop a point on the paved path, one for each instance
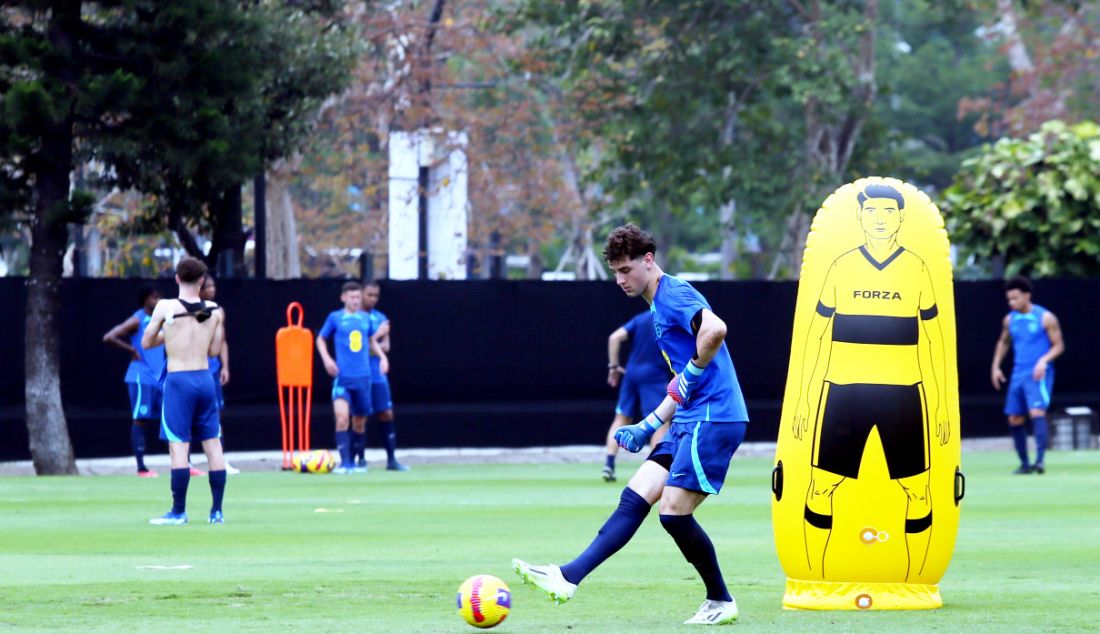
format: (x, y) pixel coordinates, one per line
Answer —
(248, 461)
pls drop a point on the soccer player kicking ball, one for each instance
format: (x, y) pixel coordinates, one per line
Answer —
(191, 331)
(692, 460)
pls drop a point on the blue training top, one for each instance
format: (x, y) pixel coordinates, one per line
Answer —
(717, 394)
(377, 318)
(1029, 339)
(146, 370)
(645, 364)
(350, 333)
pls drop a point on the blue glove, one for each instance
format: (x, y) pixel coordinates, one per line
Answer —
(681, 385)
(634, 437)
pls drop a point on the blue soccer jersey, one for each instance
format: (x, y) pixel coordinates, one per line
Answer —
(1029, 339)
(148, 368)
(351, 334)
(645, 365)
(717, 394)
(377, 318)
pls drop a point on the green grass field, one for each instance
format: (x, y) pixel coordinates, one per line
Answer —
(390, 550)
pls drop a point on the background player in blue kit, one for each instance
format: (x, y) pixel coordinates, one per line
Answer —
(380, 399)
(692, 461)
(219, 363)
(350, 329)
(191, 331)
(1035, 336)
(643, 380)
(143, 374)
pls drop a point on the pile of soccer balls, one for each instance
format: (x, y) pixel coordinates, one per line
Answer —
(317, 461)
(484, 601)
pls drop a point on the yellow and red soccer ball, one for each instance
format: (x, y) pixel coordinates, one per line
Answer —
(484, 601)
(317, 461)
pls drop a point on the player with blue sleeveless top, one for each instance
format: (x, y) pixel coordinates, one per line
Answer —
(143, 374)
(219, 363)
(350, 329)
(692, 460)
(381, 399)
(1035, 336)
(641, 383)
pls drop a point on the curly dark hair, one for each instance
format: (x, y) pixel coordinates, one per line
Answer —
(1018, 283)
(628, 242)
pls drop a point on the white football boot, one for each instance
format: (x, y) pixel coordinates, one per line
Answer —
(714, 613)
(546, 578)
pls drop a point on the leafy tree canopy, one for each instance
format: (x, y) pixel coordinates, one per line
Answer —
(1033, 203)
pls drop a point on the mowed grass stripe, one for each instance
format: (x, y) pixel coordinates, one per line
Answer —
(393, 548)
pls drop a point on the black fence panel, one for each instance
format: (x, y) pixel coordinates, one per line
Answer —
(487, 363)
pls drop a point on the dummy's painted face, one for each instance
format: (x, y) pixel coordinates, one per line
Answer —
(880, 217)
(633, 275)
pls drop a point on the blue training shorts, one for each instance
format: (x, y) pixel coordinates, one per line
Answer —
(190, 409)
(356, 391)
(219, 395)
(701, 454)
(638, 398)
(145, 401)
(1025, 393)
(380, 398)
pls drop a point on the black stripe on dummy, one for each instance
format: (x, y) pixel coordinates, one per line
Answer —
(929, 313)
(876, 329)
(818, 520)
(919, 525)
(825, 311)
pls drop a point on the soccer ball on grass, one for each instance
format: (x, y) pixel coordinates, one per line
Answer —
(317, 461)
(484, 601)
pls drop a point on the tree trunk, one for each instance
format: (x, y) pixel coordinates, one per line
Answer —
(534, 259)
(228, 234)
(50, 447)
(282, 232)
(729, 241)
(51, 450)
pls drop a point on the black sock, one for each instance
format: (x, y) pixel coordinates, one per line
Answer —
(389, 437)
(217, 488)
(699, 551)
(180, 479)
(137, 442)
(613, 535)
(610, 462)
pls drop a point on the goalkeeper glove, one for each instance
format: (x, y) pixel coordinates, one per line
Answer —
(634, 437)
(681, 385)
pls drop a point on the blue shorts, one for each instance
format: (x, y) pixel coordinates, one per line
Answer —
(380, 398)
(700, 453)
(639, 398)
(144, 401)
(1025, 393)
(219, 395)
(189, 407)
(356, 391)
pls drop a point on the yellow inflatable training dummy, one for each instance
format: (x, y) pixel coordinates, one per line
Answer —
(866, 486)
